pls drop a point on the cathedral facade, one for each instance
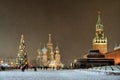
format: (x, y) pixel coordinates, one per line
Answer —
(48, 56)
(100, 41)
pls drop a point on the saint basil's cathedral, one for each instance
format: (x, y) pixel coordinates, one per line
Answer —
(48, 56)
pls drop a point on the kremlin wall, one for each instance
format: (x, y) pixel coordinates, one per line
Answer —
(115, 54)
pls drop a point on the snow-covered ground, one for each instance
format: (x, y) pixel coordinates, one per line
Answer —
(56, 75)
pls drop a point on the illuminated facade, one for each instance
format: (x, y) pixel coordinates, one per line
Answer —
(8, 62)
(100, 41)
(48, 56)
(115, 54)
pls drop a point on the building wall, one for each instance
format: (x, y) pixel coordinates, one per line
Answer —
(102, 47)
(114, 55)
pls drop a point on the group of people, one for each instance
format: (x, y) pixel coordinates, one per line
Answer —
(2, 68)
(26, 67)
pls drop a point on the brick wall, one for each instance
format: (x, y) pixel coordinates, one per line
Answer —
(114, 55)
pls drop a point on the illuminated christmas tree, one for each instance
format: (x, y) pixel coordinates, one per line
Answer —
(22, 57)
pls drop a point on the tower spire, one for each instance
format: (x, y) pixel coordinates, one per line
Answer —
(49, 39)
(40, 49)
(44, 50)
(99, 18)
(57, 47)
(99, 24)
(49, 44)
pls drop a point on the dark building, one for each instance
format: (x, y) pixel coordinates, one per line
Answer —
(94, 58)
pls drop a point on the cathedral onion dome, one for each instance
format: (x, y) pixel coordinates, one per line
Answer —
(95, 53)
(39, 51)
(57, 50)
(52, 53)
(44, 50)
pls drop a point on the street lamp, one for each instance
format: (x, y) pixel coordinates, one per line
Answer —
(75, 60)
(1, 61)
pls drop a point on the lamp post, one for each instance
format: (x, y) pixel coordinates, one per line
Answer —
(1, 62)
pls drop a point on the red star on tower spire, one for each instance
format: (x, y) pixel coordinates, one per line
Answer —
(99, 12)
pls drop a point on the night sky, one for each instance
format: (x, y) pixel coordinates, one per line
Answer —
(71, 23)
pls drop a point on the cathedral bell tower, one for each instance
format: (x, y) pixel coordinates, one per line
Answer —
(44, 57)
(49, 44)
(57, 55)
(100, 41)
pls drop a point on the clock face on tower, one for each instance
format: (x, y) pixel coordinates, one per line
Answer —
(100, 34)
